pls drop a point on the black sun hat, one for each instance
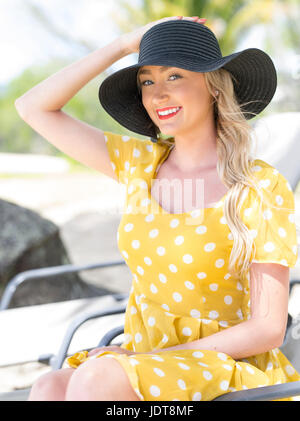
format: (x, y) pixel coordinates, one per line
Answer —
(190, 46)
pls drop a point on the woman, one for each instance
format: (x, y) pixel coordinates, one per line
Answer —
(208, 305)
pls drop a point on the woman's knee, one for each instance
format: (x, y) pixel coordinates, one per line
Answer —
(51, 386)
(98, 379)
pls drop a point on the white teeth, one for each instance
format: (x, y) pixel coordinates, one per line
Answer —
(170, 111)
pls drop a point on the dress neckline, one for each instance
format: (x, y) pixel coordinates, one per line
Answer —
(162, 210)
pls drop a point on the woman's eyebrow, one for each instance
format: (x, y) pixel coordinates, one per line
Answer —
(147, 72)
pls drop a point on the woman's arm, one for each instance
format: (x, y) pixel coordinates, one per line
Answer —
(269, 288)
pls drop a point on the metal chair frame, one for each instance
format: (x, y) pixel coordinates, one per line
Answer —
(266, 393)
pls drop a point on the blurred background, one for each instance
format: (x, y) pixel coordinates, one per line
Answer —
(55, 210)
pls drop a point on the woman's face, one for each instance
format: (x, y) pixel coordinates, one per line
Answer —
(171, 87)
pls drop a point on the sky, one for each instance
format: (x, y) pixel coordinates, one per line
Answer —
(25, 42)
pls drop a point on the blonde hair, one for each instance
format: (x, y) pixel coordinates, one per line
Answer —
(233, 166)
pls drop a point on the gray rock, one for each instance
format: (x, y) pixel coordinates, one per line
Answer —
(28, 241)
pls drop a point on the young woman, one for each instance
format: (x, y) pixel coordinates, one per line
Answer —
(208, 305)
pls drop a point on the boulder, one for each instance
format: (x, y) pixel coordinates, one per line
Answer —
(29, 241)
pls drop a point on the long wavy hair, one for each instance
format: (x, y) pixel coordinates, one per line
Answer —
(233, 165)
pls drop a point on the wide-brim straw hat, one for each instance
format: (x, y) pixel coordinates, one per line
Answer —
(190, 46)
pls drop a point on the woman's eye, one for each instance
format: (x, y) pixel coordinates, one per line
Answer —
(148, 80)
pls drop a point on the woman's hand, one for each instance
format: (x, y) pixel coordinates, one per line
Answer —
(131, 40)
(98, 351)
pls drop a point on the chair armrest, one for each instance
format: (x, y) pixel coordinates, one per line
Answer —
(57, 361)
(265, 393)
(46, 272)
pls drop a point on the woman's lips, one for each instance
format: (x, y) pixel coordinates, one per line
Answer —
(165, 117)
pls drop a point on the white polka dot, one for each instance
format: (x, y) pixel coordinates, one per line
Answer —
(157, 358)
(201, 229)
(186, 331)
(224, 385)
(162, 278)
(202, 364)
(138, 338)
(149, 148)
(247, 212)
(187, 258)
(250, 369)
(159, 372)
(289, 369)
(264, 183)
(269, 247)
(269, 366)
(213, 287)
(172, 268)
(189, 285)
(223, 323)
(148, 261)
(197, 396)
(145, 202)
(127, 165)
(222, 356)
(165, 339)
(117, 152)
(135, 244)
(256, 168)
(195, 213)
(177, 297)
(282, 232)
(155, 391)
(128, 227)
(184, 366)
(240, 314)
(149, 168)
(140, 270)
(125, 254)
(149, 218)
(207, 375)
(133, 310)
(219, 263)
(279, 200)
(201, 275)
(209, 247)
(292, 218)
(133, 362)
(181, 384)
(160, 251)
(267, 214)
(153, 289)
(213, 314)
(165, 307)
(153, 233)
(174, 223)
(227, 367)
(136, 153)
(239, 286)
(179, 240)
(151, 321)
(253, 233)
(144, 306)
(228, 299)
(198, 354)
(125, 138)
(195, 313)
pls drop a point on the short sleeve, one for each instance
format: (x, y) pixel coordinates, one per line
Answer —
(271, 222)
(123, 151)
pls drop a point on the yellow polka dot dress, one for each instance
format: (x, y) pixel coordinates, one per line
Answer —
(181, 289)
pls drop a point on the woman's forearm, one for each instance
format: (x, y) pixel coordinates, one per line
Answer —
(54, 92)
(240, 341)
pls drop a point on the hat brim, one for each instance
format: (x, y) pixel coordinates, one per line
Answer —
(254, 80)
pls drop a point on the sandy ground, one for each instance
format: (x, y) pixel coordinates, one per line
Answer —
(87, 207)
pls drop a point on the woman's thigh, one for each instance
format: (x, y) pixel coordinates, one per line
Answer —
(51, 386)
